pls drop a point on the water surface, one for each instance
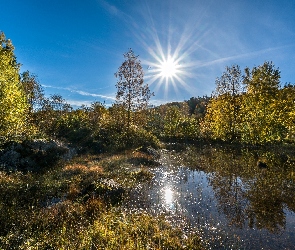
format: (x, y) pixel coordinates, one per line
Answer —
(221, 192)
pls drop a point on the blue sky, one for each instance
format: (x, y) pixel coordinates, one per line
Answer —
(75, 47)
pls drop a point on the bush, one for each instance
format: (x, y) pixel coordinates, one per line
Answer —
(114, 139)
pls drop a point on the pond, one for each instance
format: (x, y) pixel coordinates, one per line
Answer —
(223, 193)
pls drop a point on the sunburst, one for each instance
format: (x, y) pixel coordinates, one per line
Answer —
(169, 68)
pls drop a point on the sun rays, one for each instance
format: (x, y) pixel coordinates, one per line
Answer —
(167, 70)
(184, 56)
(170, 67)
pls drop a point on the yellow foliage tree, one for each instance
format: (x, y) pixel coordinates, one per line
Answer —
(222, 119)
(262, 118)
(13, 102)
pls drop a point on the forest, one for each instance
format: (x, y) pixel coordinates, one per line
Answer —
(73, 204)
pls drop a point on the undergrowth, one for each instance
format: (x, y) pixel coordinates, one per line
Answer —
(73, 207)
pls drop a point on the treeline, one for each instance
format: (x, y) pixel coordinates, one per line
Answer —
(178, 120)
(250, 107)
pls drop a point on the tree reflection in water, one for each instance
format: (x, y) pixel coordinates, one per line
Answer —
(246, 193)
(237, 198)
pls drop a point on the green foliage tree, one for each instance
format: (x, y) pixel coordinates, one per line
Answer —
(198, 106)
(98, 114)
(174, 121)
(155, 121)
(132, 94)
(13, 102)
(178, 125)
(51, 113)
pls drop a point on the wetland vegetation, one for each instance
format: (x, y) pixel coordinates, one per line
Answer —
(77, 206)
(215, 173)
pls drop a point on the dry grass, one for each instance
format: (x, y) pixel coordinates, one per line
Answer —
(79, 168)
(48, 210)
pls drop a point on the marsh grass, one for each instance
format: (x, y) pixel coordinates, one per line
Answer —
(56, 210)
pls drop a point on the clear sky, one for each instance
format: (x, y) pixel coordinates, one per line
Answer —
(76, 46)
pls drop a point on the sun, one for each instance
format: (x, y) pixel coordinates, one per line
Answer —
(168, 68)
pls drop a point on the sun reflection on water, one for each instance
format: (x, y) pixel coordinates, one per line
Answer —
(235, 207)
(168, 196)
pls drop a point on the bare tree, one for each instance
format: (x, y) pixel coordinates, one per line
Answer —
(33, 90)
(132, 94)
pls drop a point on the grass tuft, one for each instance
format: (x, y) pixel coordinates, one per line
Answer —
(71, 207)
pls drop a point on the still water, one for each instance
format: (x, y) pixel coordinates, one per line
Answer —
(222, 193)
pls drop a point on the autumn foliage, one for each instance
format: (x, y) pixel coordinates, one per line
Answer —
(249, 106)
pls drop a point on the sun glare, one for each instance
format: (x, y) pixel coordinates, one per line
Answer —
(168, 68)
(168, 195)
